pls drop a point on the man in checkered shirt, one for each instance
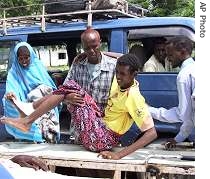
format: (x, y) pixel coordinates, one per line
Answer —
(93, 71)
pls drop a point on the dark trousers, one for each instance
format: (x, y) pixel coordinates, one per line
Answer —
(130, 136)
(4, 135)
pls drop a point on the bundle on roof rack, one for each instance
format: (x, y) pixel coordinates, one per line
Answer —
(110, 4)
(65, 11)
(62, 6)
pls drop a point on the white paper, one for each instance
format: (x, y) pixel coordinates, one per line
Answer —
(27, 108)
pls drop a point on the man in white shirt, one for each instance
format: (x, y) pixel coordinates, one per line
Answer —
(179, 51)
(158, 61)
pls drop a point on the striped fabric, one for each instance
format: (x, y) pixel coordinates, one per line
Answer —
(88, 124)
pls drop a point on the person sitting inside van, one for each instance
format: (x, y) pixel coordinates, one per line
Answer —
(158, 61)
(139, 51)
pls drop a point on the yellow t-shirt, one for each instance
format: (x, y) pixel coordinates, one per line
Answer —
(126, 107)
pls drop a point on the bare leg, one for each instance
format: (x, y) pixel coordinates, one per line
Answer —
(24, 124)
(37, 103)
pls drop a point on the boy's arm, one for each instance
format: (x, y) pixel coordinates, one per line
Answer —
(148, 136)
(138, 110)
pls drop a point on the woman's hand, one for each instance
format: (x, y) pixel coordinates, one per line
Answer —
(10, 96)
(30, 162)
(109, 155)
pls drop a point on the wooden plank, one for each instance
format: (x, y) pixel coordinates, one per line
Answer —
(75, 156)
(96, 165)
(117, 174)
(176, 170)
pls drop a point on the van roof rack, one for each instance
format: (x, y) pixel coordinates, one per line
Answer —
(49, 13)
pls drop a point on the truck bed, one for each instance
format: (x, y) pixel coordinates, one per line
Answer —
(69, 155)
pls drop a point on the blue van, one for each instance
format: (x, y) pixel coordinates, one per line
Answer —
(117, 35)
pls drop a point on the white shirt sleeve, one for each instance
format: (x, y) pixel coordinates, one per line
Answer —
(185, 111)
(182, 113)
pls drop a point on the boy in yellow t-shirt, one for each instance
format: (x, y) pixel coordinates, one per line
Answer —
(126, 111)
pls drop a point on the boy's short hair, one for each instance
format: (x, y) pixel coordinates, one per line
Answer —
(130, 60)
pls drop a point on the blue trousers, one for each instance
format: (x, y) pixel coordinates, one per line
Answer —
(4, 135)
(130, 136)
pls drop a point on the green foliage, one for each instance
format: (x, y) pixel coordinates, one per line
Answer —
(156, 7)
(15, 7)
(167, 7)
(185, 8)
(144, 3)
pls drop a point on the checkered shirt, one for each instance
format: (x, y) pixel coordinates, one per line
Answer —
(99, 86)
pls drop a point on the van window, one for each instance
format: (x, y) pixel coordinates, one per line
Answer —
(141, 42)
(6, 53)
(54, 57)
(62, 56)
(144, 50)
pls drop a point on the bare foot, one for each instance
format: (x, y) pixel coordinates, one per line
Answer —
(17, 123)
